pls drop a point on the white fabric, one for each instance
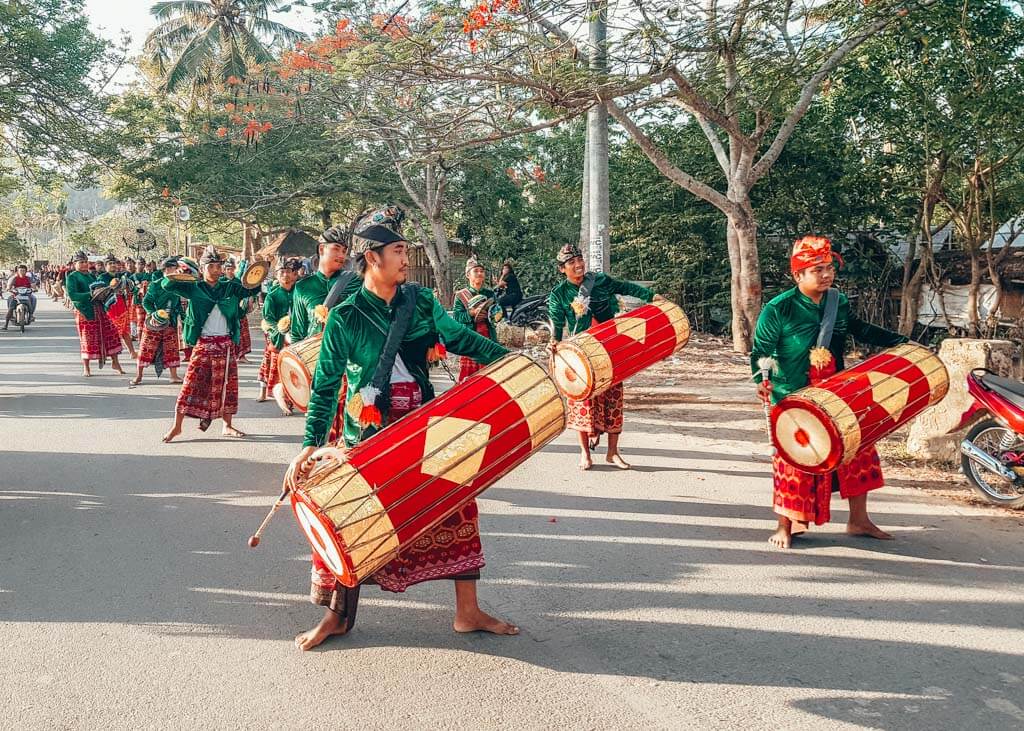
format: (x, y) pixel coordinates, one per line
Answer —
(400, 374)
(216, 324)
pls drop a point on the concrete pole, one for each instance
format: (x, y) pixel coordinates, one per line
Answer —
(597, 145)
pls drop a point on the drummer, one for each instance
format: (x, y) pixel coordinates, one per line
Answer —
(119, 312)
(472, 309)
(329, 282)
(276, 327)
(159, 300)
(787, 331)
(581, 299)
(383, 385)
(97, 334)
(244, 335)
(210, 389)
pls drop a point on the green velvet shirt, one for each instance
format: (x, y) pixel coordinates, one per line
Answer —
(277, 304)
(227, 295)
(158, 298)
(76, 284)
(788, 328)
(461, 314)
(604, 304)
(354, 340)
(310, 292)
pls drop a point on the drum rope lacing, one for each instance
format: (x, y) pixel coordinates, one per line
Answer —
(361, 501)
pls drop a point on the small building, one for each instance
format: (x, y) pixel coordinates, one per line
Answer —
(291, 243)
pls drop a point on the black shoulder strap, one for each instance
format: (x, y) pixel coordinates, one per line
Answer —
(587, 286)
(396, 333)
(339, 287)
(828, 320)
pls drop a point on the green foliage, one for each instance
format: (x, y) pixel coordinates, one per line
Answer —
(13, 248)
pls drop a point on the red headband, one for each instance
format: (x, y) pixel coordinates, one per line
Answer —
(811, 251)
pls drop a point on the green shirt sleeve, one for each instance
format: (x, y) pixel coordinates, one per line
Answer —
(323, 399)
(461, 340)
(621, 286)
(557, 314)
(766, 338)
(182, 289)
(274, 308)
(459, 312)
(300, 318)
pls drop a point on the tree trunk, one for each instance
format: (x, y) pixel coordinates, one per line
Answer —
(745, 280)
(973, 317)
(325, 217)
(250, 239)
(440, 256)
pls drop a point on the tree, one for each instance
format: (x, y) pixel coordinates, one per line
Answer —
(53, 71)
(208, 42)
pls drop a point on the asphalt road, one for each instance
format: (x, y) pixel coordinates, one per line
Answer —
(128, 598)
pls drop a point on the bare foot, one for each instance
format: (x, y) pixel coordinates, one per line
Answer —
(869, 530)
(331, 625)
(175, 431)
(781, 538)
(481, 621)
(586, 463)
(176, 380)
(119, 369)
(230, 431)
(87, 373)
(618, 461)
(798, 528)
(136, 381)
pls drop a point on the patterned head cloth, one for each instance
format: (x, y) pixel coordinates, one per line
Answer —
(811, 251)
(80, 256)
(472, 264)
(210, 256)
(336, 235)
(377, 229)
(568, 253)
(110, 259)
(171, 261)
(188, 266)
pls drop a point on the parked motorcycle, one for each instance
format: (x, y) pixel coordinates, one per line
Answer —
(530, 312)
(21, 314)
(992, 453)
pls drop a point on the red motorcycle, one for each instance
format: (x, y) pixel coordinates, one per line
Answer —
(992, 453)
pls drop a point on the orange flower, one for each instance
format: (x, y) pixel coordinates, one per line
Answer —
(234, 81)
(473, 45)
(235, 119)
(165, 192)
(267, 126)
(222, 131)
(230, 107)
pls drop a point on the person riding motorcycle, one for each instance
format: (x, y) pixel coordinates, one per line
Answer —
(19, 279)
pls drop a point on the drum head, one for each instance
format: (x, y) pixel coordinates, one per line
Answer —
(322, 537)
(296, 379)
(255, 274)
(181, 277)
(805, 438)
(572, 373)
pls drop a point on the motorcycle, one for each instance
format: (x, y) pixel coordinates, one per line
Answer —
(530, 312)
(21, 313)
(992, 453)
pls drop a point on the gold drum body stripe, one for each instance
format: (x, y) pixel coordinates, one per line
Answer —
(526, 383)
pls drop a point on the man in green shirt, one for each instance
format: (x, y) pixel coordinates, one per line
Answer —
(390, 382)
(787, 332)
(210, 390)
(472, 309)
(309, 312)
(159, 342)
(96, 332)
(578, 301)
(276, 326)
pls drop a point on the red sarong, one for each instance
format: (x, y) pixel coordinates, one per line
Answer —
(468, 366)
(601, 414)
(268, 375)
(120, 316)
(90, 331)
(452, 550)
(244, 336)
(805, 498)
(151, 340)
(204, 385)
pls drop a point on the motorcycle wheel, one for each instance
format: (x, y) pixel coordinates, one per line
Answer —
(988, 436)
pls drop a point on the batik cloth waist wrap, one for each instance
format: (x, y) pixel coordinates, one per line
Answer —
(468, 366)
(804, 497)
(452, 550)
(212, 375)
(244, 336)
(151, 341)
(90, 332)
(269, 375)
(600, 414)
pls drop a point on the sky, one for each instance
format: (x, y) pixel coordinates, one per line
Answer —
(109, 17)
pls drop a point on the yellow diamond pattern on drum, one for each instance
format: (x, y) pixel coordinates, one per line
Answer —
(890, 392)
(632, 327)
(460, 446)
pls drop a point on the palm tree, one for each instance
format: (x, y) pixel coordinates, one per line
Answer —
(209, 41)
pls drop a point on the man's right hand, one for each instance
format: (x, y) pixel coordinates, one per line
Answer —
(299, 468)
(764, 391)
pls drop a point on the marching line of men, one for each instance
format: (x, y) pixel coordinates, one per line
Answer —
(380, 335)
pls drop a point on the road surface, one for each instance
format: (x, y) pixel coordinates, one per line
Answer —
(648, 600)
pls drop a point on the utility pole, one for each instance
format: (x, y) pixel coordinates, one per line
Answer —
(596, 167)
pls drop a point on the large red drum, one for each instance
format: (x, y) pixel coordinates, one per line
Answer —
(296, 365)
(610, 352)
(361, 511)
(823, 426)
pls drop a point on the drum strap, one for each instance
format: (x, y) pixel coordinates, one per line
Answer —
(828, 320)
(381, 382)
(587, 286)
(343, 280)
